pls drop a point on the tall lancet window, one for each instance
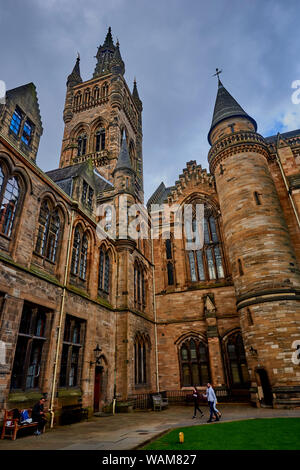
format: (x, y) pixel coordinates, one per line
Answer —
(48, 232)
(104, 277)
(9, 199)
(100, 140)
(79, 259)
(81, 145)
(206, 264)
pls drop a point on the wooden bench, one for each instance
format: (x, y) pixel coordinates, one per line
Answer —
(12, 425)
(159, 402)
(73, 414)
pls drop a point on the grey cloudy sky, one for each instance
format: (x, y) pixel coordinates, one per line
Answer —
(173, 47)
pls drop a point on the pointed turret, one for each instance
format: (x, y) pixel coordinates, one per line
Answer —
(109, 40)
(117, 64)
(226, 107)
(74, 78)
(124, 162)
(135, 93)
(136, 97)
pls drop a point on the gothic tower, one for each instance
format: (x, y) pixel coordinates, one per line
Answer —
(264, 267)
(96, 113)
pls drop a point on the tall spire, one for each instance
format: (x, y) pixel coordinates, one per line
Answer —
(226, 107)
(74, 78)
(109, 40)
(105, 55)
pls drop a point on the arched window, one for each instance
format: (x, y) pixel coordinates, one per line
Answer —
(104, 90)
(104, 272)
(207, 264)
(77, 99)
(141, 352)
(87, 96)
(81, 145)
(76, 251)
(193, 357)
(48, 232)
(9, 199)
(83, 257)
(79, 254)
(100, 140)
(139, 287)
(236, 361)
(96, 93)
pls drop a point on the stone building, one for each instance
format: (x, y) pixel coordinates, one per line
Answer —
(89, 312)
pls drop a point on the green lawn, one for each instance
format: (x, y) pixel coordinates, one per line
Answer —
(251, 434)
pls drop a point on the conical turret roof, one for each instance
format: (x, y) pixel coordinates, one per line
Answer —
(226, 107)
(74, 78)
(124, 162)
(135, 93)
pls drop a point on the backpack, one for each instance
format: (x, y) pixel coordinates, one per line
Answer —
(24, 415)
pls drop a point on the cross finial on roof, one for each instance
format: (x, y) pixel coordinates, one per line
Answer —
(217, 73)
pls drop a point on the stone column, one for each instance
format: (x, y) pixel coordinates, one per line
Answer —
(214, 346)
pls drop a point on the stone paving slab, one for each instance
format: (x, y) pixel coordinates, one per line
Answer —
(128, 431)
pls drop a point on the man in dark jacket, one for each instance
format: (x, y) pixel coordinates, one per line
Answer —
(38, 415)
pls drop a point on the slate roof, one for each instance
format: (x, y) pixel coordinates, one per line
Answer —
(63, 177)
(160, 195)
(286, 135)
(225, 107)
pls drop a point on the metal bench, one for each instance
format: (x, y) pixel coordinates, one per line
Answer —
(159, 403)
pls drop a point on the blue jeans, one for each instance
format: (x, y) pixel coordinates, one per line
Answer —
(212, 411)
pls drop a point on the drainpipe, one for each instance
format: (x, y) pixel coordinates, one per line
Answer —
(286, 182)
(61, 314)
(154, 310)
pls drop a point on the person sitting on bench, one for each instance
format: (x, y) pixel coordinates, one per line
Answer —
(38, 415)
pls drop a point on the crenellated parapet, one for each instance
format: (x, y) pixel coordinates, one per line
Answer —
(193, 176)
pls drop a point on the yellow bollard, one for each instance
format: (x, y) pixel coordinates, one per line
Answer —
(181, 437)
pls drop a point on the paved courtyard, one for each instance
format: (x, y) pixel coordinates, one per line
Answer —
(128, 431)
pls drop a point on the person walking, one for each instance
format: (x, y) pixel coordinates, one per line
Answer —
(211, 399)
(38, 416)
(215, 408)
(196, 397)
